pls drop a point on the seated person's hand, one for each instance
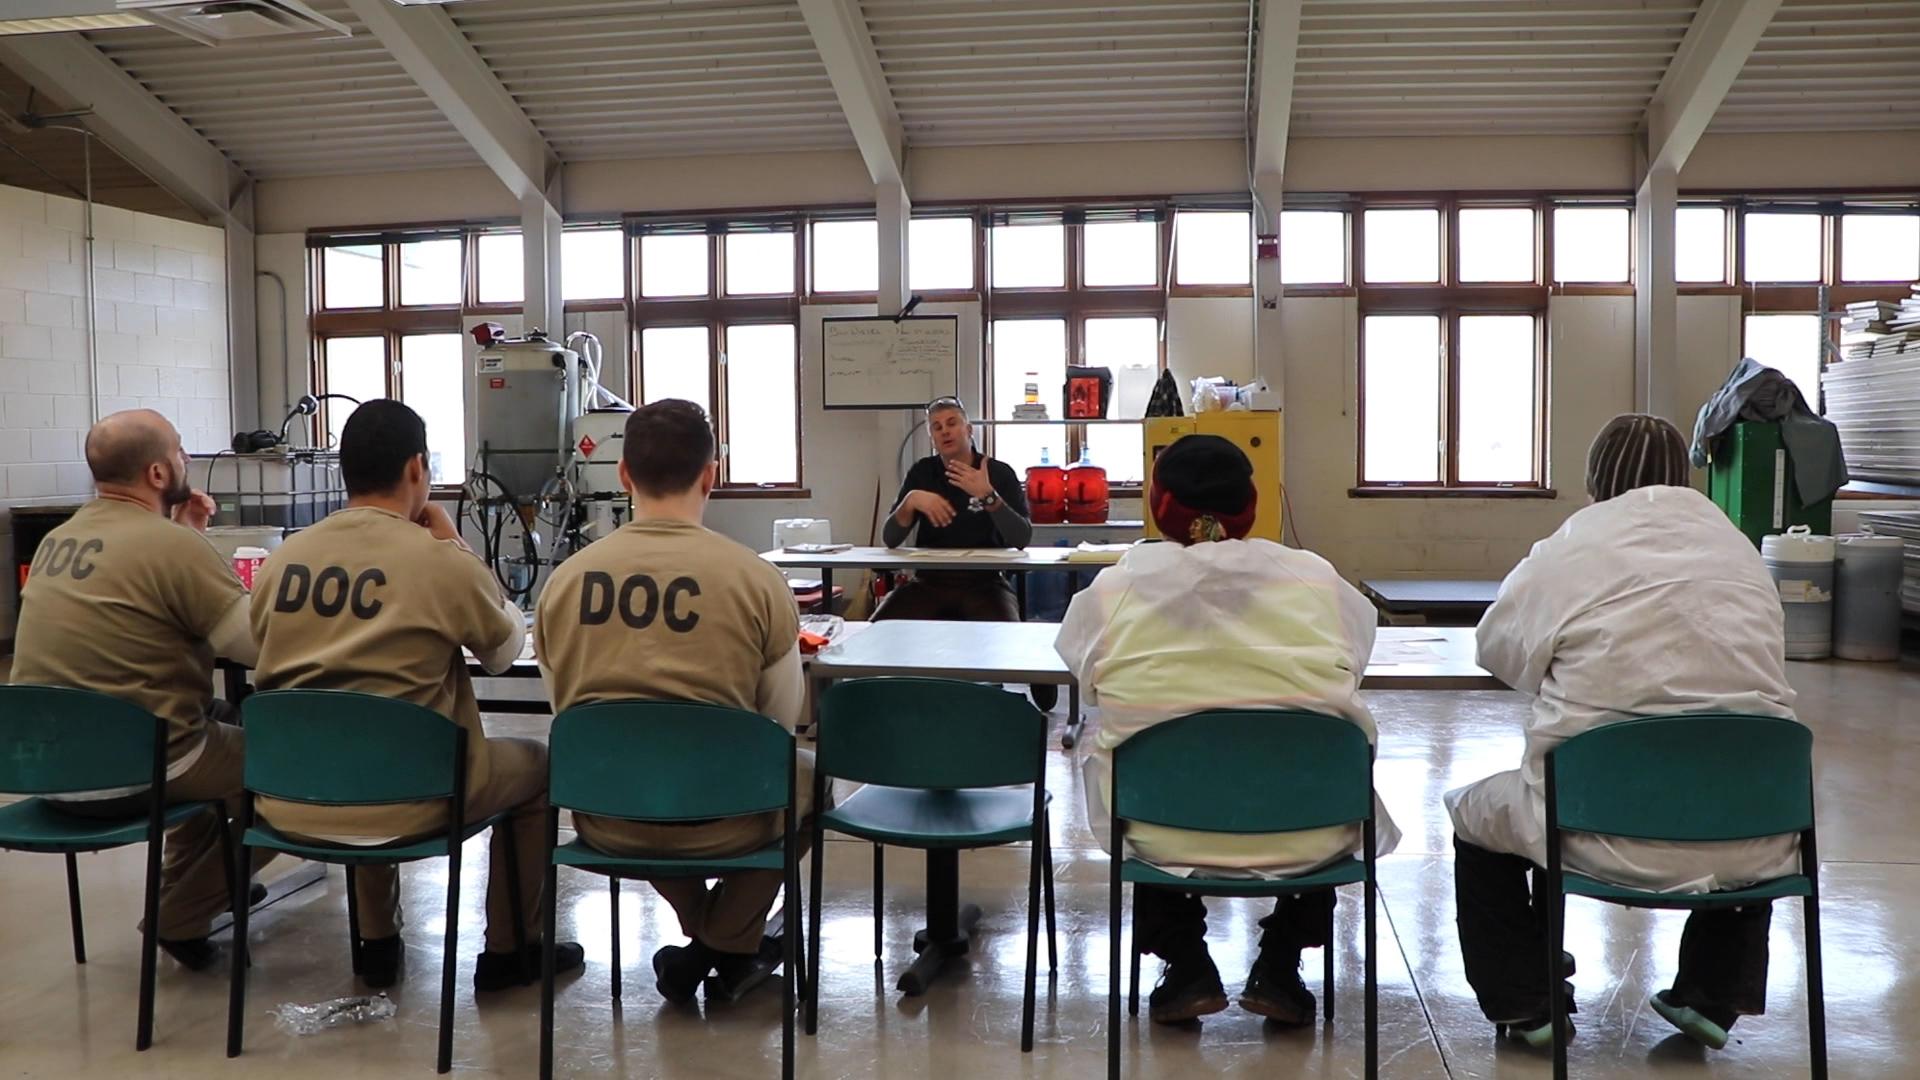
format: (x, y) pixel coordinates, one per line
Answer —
(197, 512)
(932, 506)
(437, 521)
(974, 482)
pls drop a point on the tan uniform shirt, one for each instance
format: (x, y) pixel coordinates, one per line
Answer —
(122, 601)
(369, 601)
(665, 610)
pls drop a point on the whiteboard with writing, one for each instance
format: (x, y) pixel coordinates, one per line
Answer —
(882, 363)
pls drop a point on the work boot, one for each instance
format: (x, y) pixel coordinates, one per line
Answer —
(679, 969)
(735, 975)
(380, 961)
(502, 971)
(1274, 990)
(1537, 1031)
(194, 954)
(1703, 1024)
(1189, 989)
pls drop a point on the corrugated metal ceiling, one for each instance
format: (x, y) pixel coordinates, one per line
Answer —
(296, 106)
(1827, 65)
(987, 71)
(1411, 67)
(646, 78)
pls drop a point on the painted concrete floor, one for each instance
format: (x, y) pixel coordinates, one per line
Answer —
(61, 1020)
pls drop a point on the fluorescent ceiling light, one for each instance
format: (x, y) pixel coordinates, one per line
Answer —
(62, 24)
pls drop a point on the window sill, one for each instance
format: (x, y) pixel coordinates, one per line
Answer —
(1410, 492)
(762, 493)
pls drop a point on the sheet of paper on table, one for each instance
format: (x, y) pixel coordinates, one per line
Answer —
(1413, 651)
(964, 553)
(1098, 553)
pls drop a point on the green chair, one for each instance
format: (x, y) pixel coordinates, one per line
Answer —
(56, 741)
(942, 762)
(663, 761)
(339, 748)
(1691, 778)
(1249, 771)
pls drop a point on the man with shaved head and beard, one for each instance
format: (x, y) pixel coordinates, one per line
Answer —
(128, 599)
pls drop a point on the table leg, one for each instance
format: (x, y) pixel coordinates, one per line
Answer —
(1020, 593)
(826, 590)
(950, 924)
(1071, 735)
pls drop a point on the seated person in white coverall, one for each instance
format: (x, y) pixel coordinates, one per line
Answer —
(1216, 621)
(1647, 602)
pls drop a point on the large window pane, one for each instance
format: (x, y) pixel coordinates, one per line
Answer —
(1783, 247)
(593, 264)
(1592, 243)
(1497, 399)
(673, 265)
(1029, 256)
(1880, 247)
(1402, 398)
(763, 444)
(1403, 246)
(674, 363)
(1790, 344)
(846, 256)
(1213, 247)
(759, 263)
(1313, 247)
(940, 254)
(1496, 244)
(503, 270)
(433, 383)
(356, 367)
(430, 272)
(355, 277)
(1029, 351)
(1700, 244)
(1121, 253)
(1120, 449)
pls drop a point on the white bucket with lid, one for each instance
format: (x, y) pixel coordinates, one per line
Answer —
(1866, 596)
(1802, 568)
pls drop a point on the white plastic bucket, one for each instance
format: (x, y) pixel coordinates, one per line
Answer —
(1866, 597)
(1802, 568)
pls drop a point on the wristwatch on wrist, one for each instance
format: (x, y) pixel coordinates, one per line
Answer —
(991, 501)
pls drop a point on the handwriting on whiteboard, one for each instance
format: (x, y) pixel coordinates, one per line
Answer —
(880, 362)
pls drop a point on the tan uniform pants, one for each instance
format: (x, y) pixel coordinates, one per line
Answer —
(516, 785)
(193, 872)
(731, 915)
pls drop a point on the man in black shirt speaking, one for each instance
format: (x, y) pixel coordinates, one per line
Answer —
(958, 498)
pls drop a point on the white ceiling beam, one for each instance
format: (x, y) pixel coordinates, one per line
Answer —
(135, 123)
(840, 34)
(445, 65)
(1273, 84)
(1719, 40)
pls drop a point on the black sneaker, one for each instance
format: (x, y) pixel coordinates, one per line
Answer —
(256, 892)
(678, 970)
(1045, 696)
(736, 975)
(503, 971)
(1274, 990)
(1188, 990)
(194, 954)
(380, 961)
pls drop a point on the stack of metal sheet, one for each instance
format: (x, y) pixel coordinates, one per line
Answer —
(1904, 524)
(1876, 405)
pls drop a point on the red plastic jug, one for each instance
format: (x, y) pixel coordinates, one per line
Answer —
(1047, 494)
(1087, 493)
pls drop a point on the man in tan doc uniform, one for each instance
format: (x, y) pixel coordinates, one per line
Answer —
(380, 598)
(128, 599)
(666, 609)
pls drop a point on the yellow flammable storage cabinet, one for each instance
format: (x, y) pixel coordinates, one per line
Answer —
(1256, 433)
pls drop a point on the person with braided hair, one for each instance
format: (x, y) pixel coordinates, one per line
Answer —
(1213, 620)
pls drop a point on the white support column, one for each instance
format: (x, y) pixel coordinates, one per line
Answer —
(1279, 47)
(543, 307)
(243, 320)
(1268, 340)
(892, 210)
(1656, 302)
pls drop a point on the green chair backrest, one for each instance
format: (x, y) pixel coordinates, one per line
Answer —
(668, 761)
(1245, 771)
(933, 734)
(340, 748)
(1690, 778)
(54, 740)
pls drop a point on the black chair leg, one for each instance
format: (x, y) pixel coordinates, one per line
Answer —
(1371, 967)
(1816, 991)
(613, 895)
(1033, 937)
(879, 898)
(516, 903)
(1133, 978)
(1326, 976)
(1046, 882)
(450, 960)
(818, 873)
(73, 909)
(790, 943)
(1556, 974)
(237, 957)
(550, 917)
(149, 946)
(354, 943)
(1113, 963)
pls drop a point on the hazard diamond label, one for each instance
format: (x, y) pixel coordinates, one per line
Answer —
(586, 445)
